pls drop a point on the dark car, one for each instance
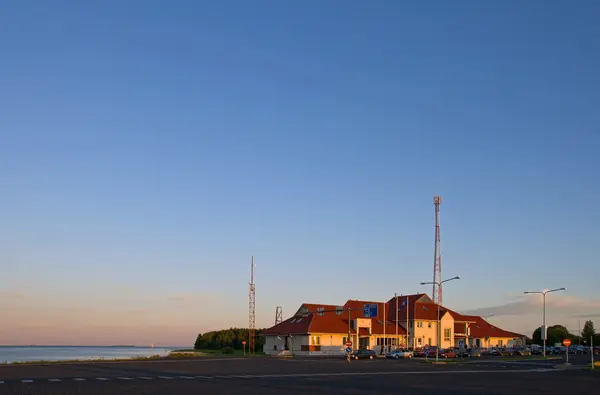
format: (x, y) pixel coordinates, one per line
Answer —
(361, 354)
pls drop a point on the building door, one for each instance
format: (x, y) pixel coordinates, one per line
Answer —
(363, 343)
(478, 343)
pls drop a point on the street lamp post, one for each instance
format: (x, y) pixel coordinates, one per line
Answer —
(439, 284)
(543, 293)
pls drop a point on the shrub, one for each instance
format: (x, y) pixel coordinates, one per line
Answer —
(227, 350)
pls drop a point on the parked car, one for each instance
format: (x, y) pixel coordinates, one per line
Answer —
(537, 351)
(397, 354)
(449, 353)
(431, 351)
(521, 351)
(419, 353)
(506, 352)
(474, 353)
(361, 354)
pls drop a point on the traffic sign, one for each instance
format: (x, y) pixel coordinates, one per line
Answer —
(244, 342)
(348, 344)
(370, 310)
(348, 350)
(566, 342)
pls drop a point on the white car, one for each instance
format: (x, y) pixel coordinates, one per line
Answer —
(397, 354)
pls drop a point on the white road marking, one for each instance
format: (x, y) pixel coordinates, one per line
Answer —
(54, 380)
(165, 377)
(203, 377)
(541, 370)
(124, 378)
(1, 382)
(102, 379)
(26, 381)
(78, 379)
(146, 378)
(187, 377)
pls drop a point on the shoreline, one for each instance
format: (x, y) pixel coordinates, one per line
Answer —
(176, 355)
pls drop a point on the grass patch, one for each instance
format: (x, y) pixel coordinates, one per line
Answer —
(526, 358)
(211, 353)
(70, 361)
(443, 360)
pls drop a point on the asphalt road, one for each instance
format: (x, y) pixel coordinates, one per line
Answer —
(264, 375)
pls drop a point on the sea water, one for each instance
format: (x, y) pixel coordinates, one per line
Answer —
(10, 354)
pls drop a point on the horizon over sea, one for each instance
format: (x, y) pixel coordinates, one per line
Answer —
(10, 354)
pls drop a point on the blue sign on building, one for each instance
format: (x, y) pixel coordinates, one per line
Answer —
(370, 310)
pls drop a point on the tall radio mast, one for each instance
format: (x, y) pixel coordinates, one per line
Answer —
(437, 258)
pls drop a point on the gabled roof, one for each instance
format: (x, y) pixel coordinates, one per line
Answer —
(482, 329)
(292, 326)
(329, 322)
(420, 307)
(314, 307)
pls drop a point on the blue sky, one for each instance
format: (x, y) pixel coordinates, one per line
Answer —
(149, 149)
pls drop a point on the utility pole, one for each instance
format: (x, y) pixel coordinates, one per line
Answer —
(251, 310)
(544, 332)
(439, 330)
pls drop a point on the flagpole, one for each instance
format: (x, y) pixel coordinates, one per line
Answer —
(407, 307)
(384, 339)
(397, 339)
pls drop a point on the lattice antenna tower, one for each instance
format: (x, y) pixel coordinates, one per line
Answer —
(278, 315)
(437, 258)
(251, 310)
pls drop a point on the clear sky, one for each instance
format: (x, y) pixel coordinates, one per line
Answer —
(149, 148)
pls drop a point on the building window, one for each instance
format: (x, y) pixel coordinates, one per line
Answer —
(429, 341)
(344, 340)
(316, 340)
(500, 343)
(447, 334)
(339, 310)
(420, 341)
(429, 325)
(419, 324)
(320, 311)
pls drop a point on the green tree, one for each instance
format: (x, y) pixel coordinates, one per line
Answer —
(556, 334)
(232, 337)
(588, 330)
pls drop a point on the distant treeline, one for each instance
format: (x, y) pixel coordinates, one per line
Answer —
(232, 337)
(557, 333)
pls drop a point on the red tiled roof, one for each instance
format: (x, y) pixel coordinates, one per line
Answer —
(329, 322)
(482, 329)
(313, 307)
(292, 326)
(459, 329)
(461, 318)
(390, 328)
(420, 307)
